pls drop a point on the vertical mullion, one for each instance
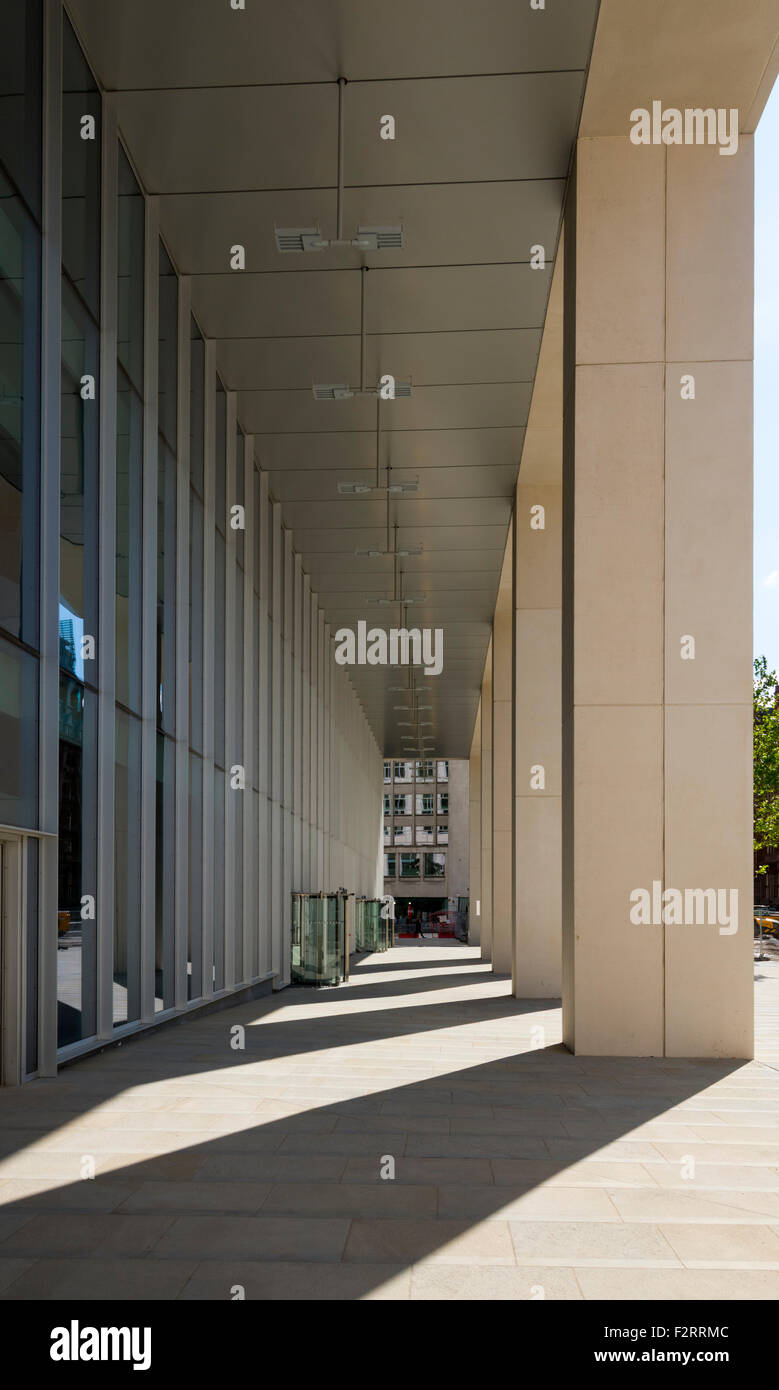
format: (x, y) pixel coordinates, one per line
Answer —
(51, 368)
(149, 615)
(106, 644)
(261, 724)
(210, 695)
(305, 737)
(276, 786)
(182, 645)
(233, 958)
(249, 703)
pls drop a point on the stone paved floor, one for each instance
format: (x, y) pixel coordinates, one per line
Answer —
(516, 1165)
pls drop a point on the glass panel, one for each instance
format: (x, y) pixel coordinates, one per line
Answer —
(435, 865)
(77, 863)
(220, 459)
(409, 866)
(167, 398)
(195, 914)
(166, 586)
(443, 803)
(443, 770)
(240, 493)
(219, 651)
(164, 899)
(257, 692)
(78, 490)
(131, 216)
(20, 97)
(219, 879)
(81, 173)
(195, 622)
(18, 736)
(127, 870)
(19, 417)
(255, 522)
(389, 866)
(129, 527)
(196, 408)
(31, 965)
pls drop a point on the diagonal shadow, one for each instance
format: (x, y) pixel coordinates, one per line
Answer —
(269, 1177)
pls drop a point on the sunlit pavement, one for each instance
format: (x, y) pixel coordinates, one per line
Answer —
(519, 1171)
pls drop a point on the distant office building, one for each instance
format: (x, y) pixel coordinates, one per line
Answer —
(426, 833)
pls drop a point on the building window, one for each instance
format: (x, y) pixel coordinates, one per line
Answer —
(388, 834)
(435, 865)
(425, 770)
(403, 772)
(390, 861)
(425, 802)
(409, 866)
(402, 804)
(388, 772)
(443, 803)
(425, 835)
(443, 834)
(403, 835)
(442, 770)
(387, 804)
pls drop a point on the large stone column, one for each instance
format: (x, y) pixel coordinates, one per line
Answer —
(486, 809)
(657, 599)
(502, 715)
(474, 836)
(537, 761)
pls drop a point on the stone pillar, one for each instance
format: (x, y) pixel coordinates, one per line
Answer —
(486, 809)
(474, 836)
(537, 759)
(502, 715)
(657, 599)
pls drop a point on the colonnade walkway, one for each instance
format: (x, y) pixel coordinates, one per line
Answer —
(520, 1171)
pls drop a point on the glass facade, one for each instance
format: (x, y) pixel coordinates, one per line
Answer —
(150, 650)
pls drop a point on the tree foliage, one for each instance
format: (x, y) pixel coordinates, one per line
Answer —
(766, 756)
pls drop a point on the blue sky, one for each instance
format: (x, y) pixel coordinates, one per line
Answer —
(766, 629)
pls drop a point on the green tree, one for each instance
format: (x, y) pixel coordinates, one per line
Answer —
(766, 758)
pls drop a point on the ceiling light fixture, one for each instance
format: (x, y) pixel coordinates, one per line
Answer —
(339, 392)
(389, 238)
(299, 239)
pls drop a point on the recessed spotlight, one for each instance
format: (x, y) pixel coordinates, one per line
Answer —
(379, 238)
(338, 391)
(299, 239)
(354, 489)
(403, 487)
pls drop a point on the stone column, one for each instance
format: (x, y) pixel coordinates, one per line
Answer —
(502, 716)
(486, 809)
(537, 759)
(474, 836)
(657, 600)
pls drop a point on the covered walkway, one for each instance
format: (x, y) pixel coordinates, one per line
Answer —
(521, 1171)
